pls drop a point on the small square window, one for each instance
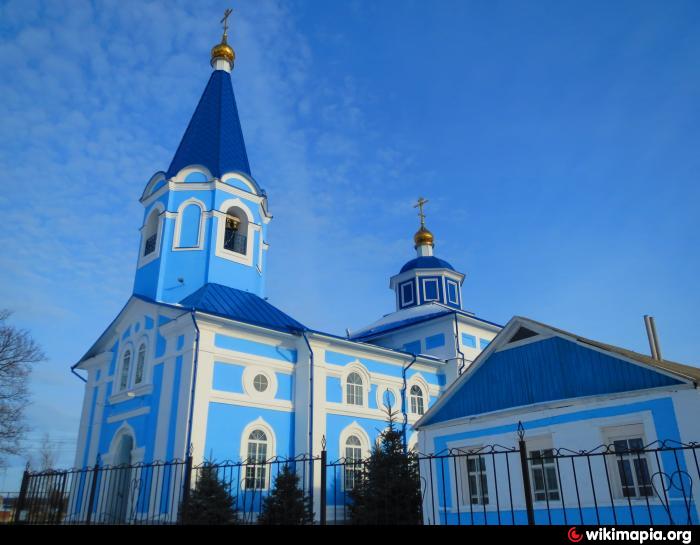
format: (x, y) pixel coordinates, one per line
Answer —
(452, 296)
(407, 294)
(430, 289)
(468, 340)
(483, 343)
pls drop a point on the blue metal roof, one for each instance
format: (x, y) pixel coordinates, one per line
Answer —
(426, 262)
(241, 306)
(548, 370)
(366, 334)
(213, 137)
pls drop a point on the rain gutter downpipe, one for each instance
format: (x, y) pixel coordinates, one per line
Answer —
(188, 444)
(311, 408)
(403, 401)
(459, 351)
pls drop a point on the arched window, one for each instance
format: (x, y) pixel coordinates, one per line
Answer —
(353, 390)
(256, 472)
(416, 398)
(126, 365)
(150, 234)
(140, 363)
(353, 458)
(236, 231)
(190, 218)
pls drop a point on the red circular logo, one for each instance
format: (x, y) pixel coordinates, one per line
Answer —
(573, 535)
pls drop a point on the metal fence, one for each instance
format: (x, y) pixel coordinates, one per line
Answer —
(625, 482)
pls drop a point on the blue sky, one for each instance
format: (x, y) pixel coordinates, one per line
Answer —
(557, 143)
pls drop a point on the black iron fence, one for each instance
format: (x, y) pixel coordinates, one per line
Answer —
(624, 482)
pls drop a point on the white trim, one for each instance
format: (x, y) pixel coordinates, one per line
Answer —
(236, 176)
(155, 254)
(448, 282)
(424, 281)
(178, 225)
(124, 430)
(381, 390)
(230, 398)
(403, 302)
(354, 429)
(258, 424)
(356, 367)
(252, 228)
(249, 374)
(179, 178)
(129, 414)
(418, 380)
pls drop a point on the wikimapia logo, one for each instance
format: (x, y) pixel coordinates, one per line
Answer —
(638, 536)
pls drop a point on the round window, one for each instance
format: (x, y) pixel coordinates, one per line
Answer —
(260, 383)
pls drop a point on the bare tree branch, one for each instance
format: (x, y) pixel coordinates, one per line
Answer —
(18, 352)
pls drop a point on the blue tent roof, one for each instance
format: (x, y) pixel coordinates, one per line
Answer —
(426, 262)
(241, 306)
(213, 137)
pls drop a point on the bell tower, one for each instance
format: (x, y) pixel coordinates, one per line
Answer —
(205, 218)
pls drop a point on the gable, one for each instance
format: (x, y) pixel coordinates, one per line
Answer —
(547, 370)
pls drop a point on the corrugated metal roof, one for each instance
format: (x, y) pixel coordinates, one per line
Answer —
(687, 371)
(213, 137)
(608, 376)
(241, 306)
(551, 369)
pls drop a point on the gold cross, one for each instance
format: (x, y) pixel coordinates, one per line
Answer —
(421, 202)
(228, 12)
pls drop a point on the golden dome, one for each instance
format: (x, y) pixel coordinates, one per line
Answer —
(423, 237)
(223, 50)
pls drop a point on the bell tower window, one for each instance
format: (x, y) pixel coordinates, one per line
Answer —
(236, 233)
(151, 235)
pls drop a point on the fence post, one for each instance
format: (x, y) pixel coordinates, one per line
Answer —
(19, 506)
(526, 475)
(187, 481)
(324, 461)
(93, 490)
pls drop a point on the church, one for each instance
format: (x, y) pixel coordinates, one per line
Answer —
(198, 362)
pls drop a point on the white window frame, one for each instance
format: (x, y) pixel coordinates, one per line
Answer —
(177, 247)
(411, 285)
(357, 367)
(425, 291)
(253, 228)
(159, 209)
(355, 430)
(263, 426)
(539, 444)
(449, 283)
(141, 344)
(419, 399)
(468, 453)
(249, 374)
(128, 349)
(625, 433)
(381, 391)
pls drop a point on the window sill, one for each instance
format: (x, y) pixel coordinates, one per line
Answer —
(125, 395)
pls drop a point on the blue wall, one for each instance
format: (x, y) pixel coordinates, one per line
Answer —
(225, 424)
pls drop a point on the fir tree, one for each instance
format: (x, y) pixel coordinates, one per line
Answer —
(388, 488)
(286, 503)
(210, 502)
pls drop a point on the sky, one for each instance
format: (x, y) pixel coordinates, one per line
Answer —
(557, 143)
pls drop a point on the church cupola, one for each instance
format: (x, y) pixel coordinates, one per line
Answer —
(205, 218)
(222, 54)
(426, 278)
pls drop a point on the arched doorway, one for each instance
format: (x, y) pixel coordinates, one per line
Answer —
(120, 480)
